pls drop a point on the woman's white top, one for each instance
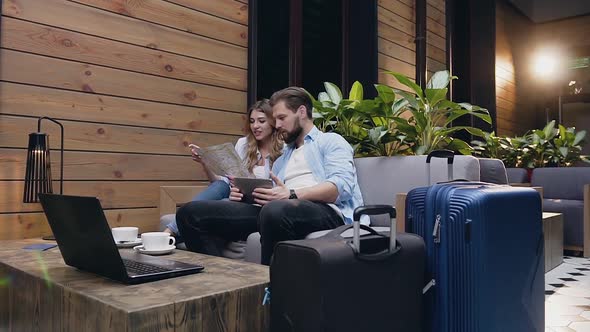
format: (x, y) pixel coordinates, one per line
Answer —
(261, 172)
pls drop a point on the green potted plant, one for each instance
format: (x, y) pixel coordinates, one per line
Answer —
(425, 117)
(567, 147)
(416, 122)
(545, 147)
(364, 123)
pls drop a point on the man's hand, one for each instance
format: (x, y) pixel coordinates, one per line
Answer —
(262, 195)
(235, 195)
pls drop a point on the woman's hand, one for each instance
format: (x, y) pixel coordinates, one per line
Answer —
(231, 179)
(235, 195)
(195, 153)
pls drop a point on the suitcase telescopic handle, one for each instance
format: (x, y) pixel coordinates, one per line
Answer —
(373, 210)
(448, 155)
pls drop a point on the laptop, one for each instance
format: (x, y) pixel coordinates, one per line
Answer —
(86, 243)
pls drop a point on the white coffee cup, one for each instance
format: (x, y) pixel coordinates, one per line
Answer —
(157, 240)
(125, 234)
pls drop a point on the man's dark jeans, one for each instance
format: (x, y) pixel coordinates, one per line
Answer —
(207, 225)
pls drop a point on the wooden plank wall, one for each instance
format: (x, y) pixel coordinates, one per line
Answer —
(516, 105)
(396, 33)
(565, 34)
(133, 82)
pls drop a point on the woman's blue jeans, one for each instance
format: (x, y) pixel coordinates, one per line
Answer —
(216, 191)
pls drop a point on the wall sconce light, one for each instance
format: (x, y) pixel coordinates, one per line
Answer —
(38, 171)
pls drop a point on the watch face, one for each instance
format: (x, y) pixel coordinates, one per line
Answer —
(293, 195)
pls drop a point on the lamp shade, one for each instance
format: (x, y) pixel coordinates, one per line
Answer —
(38, 171)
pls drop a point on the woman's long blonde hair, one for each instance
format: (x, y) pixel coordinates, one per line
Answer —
(276, 143)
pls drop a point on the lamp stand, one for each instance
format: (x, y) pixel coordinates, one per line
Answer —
(38, 170)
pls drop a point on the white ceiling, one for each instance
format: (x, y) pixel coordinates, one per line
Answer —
(540, 11)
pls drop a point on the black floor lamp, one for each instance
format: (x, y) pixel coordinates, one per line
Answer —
(38, 171)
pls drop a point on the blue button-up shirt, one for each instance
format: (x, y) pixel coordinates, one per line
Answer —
(330, 159)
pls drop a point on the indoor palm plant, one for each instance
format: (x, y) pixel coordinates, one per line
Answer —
(397, 121)
(425, 117)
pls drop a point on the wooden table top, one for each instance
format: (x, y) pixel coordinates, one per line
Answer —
(221, 275)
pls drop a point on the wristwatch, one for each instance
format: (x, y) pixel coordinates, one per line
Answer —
(292, 195)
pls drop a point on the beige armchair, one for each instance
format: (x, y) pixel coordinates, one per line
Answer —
(172, 197)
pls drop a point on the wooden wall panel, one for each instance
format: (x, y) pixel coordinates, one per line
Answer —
(90, 165)
(61, 104)
(41, 39)
(56, 73)
(227, 9)
(133, 84)
(396, 31)
(436, 56)
(29, 225)
(72, 16)
(565, 34)
(87, 136)
(515, 102)
(112, 194)
(175, 16)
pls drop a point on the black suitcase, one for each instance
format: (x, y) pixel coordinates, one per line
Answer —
(327, 284)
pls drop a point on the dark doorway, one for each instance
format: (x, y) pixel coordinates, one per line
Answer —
(471, 41)
(308, 42)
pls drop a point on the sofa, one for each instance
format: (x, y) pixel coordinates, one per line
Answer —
(381, 179)
(567, 190)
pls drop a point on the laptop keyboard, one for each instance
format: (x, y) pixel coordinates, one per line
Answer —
(142, 268)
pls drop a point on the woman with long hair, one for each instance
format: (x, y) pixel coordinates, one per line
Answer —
(261, 146)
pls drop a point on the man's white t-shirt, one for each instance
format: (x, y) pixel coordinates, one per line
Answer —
(298, 174)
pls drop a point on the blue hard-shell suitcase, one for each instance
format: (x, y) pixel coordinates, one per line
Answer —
(485, 262)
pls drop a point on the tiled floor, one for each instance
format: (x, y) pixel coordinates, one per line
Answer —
(567, 296)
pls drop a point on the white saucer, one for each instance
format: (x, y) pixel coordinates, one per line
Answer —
(142, 250)
(128, 244)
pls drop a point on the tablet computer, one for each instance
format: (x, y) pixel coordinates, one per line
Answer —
(247, 185)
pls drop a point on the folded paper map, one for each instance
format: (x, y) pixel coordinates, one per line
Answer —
(223, 160)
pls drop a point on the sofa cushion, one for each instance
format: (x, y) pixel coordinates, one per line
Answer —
(561, 182)
(573, 218)
(492, 171)
(517, 175)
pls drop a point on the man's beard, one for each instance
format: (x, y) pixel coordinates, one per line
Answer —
(290, 137)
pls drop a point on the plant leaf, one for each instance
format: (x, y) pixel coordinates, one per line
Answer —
(410, 98)
(563, 151)
(433, 96)
(356, 91)
(403, 79)
(386, 93)
(439, 80)
(457, 144)
(399, 106)
(579, 137)
(323, 97)
(333, 92)
(548, 130)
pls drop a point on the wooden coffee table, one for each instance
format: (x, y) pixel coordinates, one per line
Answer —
(38, 292)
